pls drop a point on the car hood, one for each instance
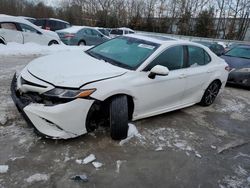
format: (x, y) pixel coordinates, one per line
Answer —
(72, 69)
(236, 62)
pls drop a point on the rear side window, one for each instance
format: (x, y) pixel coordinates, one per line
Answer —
(87, 31)
(172, 58)
(10, 26)
(27, 28)
(39, 23)
(197, 56)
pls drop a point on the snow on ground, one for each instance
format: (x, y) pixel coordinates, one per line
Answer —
(35, 49)
(37, 177)
(237, 180)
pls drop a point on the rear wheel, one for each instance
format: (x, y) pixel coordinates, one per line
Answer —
(119, 117)
(210, 93)
(81, 43)
(53, 42)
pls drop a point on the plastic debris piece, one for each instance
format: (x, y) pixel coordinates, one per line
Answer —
(197, 155)
(78, 161)
(4, 168)
(89, 159)
(37, 177)
(213, 147)
(82, 177)
(97, 164)
(159, 149)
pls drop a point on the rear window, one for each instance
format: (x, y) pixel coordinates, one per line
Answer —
(10, 26)
(116, 32)
(241, 52)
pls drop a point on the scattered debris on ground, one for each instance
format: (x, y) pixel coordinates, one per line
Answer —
(118, 165)
(132, 131)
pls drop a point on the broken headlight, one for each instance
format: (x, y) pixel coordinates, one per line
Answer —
(69, 93)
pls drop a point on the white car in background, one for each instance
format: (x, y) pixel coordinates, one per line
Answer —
(120, 31)
(127, 78)
(19, 30)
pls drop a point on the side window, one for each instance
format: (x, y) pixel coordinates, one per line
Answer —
(172, 58)
(10, 26)
(126, 32)
(130, 32)
(87, 32)
(197, 56)
(95, 33)
(27, 28)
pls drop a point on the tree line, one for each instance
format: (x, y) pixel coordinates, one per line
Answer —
(228, 19)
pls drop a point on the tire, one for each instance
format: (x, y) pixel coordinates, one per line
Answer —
(53, 42)
(118, 117)
(82, 43)
(210, 94)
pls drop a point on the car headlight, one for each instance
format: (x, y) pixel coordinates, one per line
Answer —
(243, 70)
(69, 93)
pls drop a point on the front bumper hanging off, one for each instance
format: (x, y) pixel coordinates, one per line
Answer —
(58, 121)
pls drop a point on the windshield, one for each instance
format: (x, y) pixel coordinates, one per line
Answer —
(126, 52)
(116, 32)
(242, 52)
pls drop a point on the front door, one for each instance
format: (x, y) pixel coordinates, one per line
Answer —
(163, 93)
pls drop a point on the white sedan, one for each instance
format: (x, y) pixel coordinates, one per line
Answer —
(127, 78)
(17, 29)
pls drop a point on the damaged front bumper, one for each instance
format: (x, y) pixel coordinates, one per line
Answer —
(58, 121)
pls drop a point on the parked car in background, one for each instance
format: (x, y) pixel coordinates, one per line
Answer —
(81, 35)
(52, 24)
(238, 58)
(15, 29)
(32, 20)
(103, 31)
(128, 78)
(120, 31)
(213, 46)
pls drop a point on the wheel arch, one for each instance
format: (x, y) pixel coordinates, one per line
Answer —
(2, 40)
(82, 40)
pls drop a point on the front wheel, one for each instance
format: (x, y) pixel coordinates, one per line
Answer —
(210, 94)
(119, 117)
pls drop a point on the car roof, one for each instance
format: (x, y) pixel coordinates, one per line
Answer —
(74, 29)
(8, 18)
(54, 19)
(163, 40)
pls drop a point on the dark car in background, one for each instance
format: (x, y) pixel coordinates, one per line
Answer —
(52, 24)
(238, 58)
(213, 46)
(81, 35)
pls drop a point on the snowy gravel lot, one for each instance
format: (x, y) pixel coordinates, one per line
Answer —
(194, 147)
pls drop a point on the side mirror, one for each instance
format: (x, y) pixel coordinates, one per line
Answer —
(158, 70)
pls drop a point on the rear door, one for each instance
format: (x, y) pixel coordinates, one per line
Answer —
(198, 73)
(30, 34)
(97, 37)
(10, 32)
